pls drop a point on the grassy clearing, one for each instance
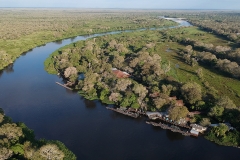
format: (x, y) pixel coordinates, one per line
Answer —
(197, 34)
(222, 83)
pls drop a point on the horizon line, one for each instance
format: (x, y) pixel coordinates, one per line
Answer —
(124, 8)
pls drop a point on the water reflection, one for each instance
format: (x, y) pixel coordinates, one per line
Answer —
(9, 69)
(88, 103)
(58, 42)
(86, 36)
(157, 129)
(72, 39)
(1, 72)
(70, 91)
(173, 136)
(24, 53)
(116, 115)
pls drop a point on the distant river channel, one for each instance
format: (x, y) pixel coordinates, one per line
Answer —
(29, 94)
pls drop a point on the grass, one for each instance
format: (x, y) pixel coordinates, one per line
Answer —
(224, 84)
(195, 33)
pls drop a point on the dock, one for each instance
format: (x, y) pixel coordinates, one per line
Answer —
(63, 85)
(173, 123)
(172, 128)
(136, 111)
(125, 112)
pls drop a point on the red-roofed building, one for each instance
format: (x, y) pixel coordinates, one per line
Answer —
(120, 74)
(179, 103)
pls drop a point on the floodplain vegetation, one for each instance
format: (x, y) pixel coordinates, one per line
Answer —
(17, 141)
(189, 63)
(199, 65)
(224, 24)
(25, 29)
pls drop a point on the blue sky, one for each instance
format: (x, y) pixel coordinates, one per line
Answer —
(147, 4)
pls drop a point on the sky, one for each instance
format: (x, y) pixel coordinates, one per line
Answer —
(141, 4)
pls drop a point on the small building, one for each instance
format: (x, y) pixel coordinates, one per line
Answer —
(179, 103)
(194, 132)
(198, 128)
(120, 74)
(154, 115)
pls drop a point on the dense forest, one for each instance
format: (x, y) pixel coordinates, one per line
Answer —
(17, 141)
(162, 65)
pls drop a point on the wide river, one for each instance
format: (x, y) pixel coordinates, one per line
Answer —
(29, 94)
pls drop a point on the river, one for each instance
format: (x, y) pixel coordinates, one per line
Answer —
(29, 94)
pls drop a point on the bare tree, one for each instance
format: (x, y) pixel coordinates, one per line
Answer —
(5, 153)
(11, 131)
(115, 97)
(50, 152)
(70, 71)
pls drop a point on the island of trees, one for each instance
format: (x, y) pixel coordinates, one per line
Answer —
(183, 63)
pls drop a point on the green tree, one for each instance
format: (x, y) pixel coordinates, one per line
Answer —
(225, 102)
(104, 94)
(216, 111)
(122, 84)
(176, 112)
(205, 122)
(1, 118)
(118, 61)
(220, 131)
(199, 72)
(191, 92)
(159, 102)
(141, 91)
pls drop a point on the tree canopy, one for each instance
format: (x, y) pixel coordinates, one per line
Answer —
(191, 92)
(178, 112)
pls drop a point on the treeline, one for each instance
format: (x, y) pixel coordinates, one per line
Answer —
(24, 29)
(150, 87)
(211, 55)
(17, 141)
(223, 23)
